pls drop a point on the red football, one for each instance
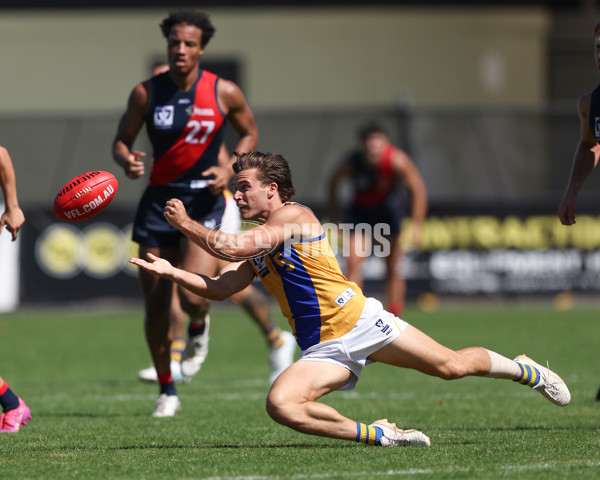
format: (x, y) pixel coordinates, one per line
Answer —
(85, 196)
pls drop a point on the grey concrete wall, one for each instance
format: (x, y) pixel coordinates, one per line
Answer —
(83, 62)
(311, 76)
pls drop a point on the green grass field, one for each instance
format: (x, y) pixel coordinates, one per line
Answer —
(91, 416)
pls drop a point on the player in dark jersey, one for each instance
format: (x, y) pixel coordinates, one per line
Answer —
(339, 330)
(281, 344)
(588, 149)
(185, 111)
(378, 171)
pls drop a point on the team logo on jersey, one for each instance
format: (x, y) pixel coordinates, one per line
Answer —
(597, 127)
(260, 263)
(163, 116)
(343, 297)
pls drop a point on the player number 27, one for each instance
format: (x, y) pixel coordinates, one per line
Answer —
(200, 131)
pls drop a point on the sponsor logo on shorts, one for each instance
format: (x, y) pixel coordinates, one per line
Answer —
(198, 184)
(597, 127)
(384, 327)
(210, 223)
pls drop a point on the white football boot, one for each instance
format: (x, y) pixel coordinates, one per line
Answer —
(195, 352)
(149, 374)
(282, 357)
(550, 385)
(166, 406)
(394, 437)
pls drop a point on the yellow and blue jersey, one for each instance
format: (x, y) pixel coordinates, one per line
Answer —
(307, 282)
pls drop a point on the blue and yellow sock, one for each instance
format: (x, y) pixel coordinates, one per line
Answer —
(368, 434)
(177, 347)
(529, 375)
(273, 336)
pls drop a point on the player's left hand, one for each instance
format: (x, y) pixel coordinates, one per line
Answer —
(175, 212)
(156, 265)
(221, 178)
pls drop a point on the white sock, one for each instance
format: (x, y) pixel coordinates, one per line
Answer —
(502, 367)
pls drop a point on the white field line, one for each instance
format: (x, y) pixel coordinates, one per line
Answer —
(563, 466)
(241, 395)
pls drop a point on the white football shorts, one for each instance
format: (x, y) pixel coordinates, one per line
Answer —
(375, 329)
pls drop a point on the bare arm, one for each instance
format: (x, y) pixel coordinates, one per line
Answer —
(291, 222)
(232, 279)
(13, 216)
(407, 170)
(129, 126)
(239, 114)
(584, 162)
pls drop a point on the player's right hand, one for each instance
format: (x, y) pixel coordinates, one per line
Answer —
(566, 212)
(134, 167)
(13, 219)
(175, 212)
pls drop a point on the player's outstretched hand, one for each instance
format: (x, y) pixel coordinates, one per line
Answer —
(175, 212)
(156, 265)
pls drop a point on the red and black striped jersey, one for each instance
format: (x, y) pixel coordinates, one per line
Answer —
(186, 130)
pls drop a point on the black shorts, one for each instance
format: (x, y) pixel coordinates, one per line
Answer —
(151, 229)
(391, 212)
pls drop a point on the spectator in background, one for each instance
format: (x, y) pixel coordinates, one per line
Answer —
(185, 111)
(377, 171)
(15, 413)
(587, 153)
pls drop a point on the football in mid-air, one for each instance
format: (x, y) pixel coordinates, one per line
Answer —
(85, 196)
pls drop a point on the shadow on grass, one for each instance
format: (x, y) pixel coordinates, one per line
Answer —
(64, 448)
(231, 447)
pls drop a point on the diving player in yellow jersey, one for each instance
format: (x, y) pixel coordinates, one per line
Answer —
(338, 330)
